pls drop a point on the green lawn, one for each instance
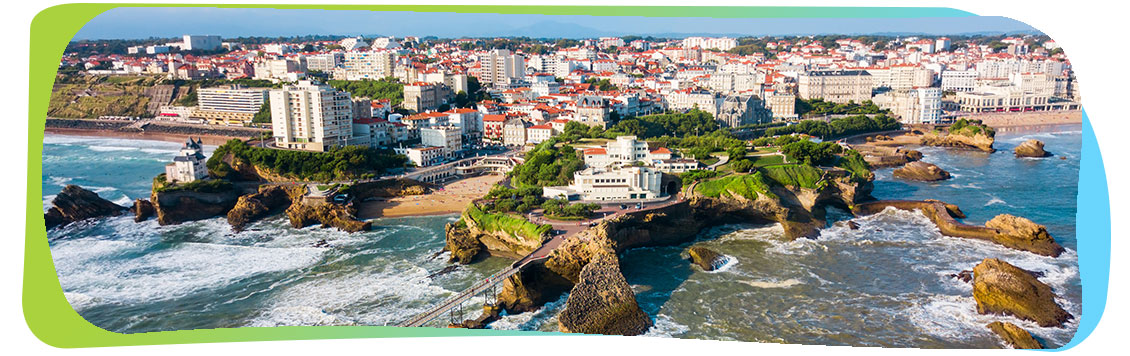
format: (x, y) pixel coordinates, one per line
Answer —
(767, 160)
(749, 186)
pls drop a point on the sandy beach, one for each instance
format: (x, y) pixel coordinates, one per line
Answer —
(1031, 118)
(450, 198)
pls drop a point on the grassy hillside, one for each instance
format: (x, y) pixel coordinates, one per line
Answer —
(749, 186)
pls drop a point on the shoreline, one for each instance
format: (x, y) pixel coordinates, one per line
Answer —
(212, 140)
(450, 198)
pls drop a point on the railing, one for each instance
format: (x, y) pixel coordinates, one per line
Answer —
(451, 302)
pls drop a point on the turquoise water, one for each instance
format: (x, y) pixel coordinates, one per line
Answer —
(885, 284)
(130, 277)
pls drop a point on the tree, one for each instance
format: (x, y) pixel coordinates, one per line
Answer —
(741, 165)
(264, 114)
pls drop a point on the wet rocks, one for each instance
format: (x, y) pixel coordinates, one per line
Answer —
(921, 171)
(255, 206)
(178, 206)
(1014, 336)
(1023, 234)
(1004, 289)
(964, 276)
(603, 302)
(704, 257)
(74, 203)
(980, 141)
(142, 210)
(1031, 148)
(328, 215)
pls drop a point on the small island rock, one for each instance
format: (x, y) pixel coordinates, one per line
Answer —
(76, 204)
(1023, 234)
(921, 171)
(1031, 148)
(603, 302)
(1001, 288)
(142, 209)
(704, 257)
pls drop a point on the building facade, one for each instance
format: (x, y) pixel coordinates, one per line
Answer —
(838, 86)
(311, 116)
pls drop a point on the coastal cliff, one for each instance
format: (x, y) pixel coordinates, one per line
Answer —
(178, 206)
(1014, 336)
(603, 302)
(74, 203)
(269, 199)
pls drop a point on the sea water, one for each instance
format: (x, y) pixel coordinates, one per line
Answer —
(884, 284)
(887, 283)
(139, 277)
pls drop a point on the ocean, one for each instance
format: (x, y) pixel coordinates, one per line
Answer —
(885, 284)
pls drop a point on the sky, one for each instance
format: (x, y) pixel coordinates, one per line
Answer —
(139, 23)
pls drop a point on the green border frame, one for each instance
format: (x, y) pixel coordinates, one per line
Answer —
(52, 319)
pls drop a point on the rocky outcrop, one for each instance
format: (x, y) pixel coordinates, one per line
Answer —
(921, 171)
(886, 156)
(467, 238)
(1006, 230)
(464, 245)
(142, 210)
(389, 188)
(269, 198)
(602, 302)
(1031, 148)
(302, 214)
(178, 206)
(74, 203)
(980, 141)
(531, 288)
(1001, 288)
(1023, 234)
(1014, 336)
(705, 258)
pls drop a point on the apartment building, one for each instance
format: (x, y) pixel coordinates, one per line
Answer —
(449, 138)
(959, 80)
(420, 96)
(514, 132)
(229, 105)
(311, 116)
(201, 42)
(374, 65)
(781, 104)
(324, 62)
(837, 86)
(720, 43)
(500, 68)
(913, 106)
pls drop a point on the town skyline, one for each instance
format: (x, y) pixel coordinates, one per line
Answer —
(231, 23)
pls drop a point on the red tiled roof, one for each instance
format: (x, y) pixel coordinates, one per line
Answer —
(595, 151)
(661, 151)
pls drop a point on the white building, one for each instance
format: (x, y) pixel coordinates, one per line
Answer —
(913, 106)
(959, 80)
(324, 62)
(229, 104)
(610, 184)
(839, 86)
(310, 116)
(201, 42)
(449, 138)
(188, 165)
(353, 43)
(423, 156)
(500, 68)
(366, 65)
(721, 43)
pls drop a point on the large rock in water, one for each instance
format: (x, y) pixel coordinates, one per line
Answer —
(1031, 148)
(1001, 288)
(74, 203)
(1023, 234)
(142, 209)
(329, 215)
(704, 257)
(255, 206)
(1014, 336)
(603, 302)
(921, 171)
